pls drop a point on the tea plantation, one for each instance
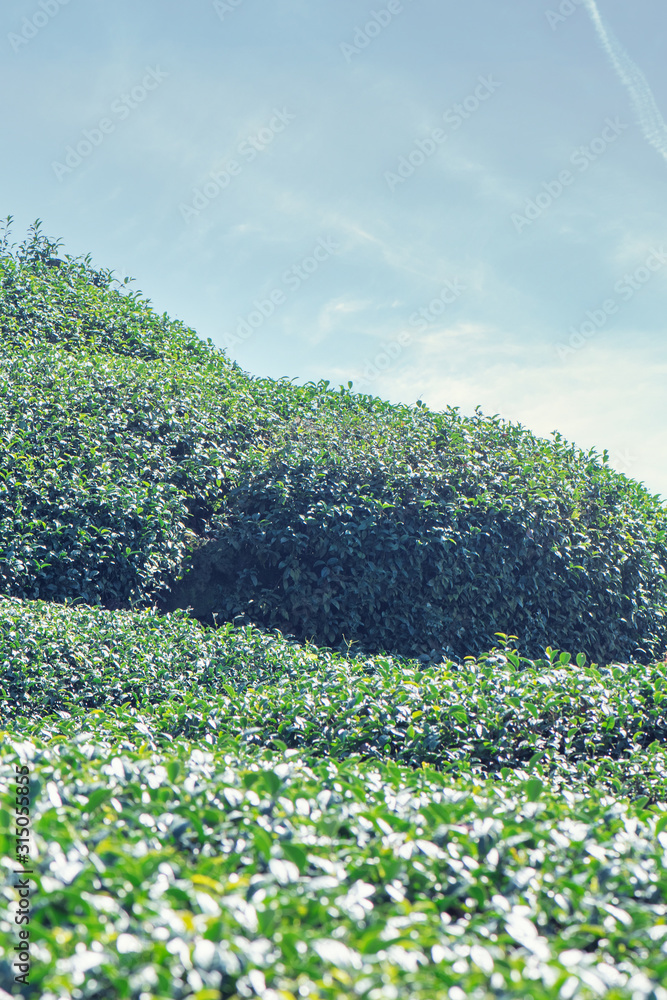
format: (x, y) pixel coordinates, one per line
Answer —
(309, 695)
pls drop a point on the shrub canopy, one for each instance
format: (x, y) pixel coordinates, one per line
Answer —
(140, 467)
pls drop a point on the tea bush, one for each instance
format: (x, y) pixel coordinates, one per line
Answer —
(141, 468)
(199, 873)
(178, 678)
(221, 810)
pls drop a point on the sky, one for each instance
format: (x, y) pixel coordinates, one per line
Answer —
(458, 203)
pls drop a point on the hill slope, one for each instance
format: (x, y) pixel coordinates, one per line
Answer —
(226, 812)
(132, 453)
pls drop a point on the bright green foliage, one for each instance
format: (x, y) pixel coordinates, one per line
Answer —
(199, 872)
(118, 430)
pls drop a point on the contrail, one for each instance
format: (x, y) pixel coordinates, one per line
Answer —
(650, 120)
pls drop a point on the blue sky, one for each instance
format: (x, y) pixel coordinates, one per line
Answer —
(459, 203)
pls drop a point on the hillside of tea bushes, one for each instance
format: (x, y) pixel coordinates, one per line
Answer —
(320, 696)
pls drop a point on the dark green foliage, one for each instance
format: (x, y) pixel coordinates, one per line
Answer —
(434, 558)
(127, 443)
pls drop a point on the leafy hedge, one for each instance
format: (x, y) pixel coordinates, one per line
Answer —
(290, 852)
(69, 303)
(171, 678)
(132, 453)
(118, 429)
(426, 560)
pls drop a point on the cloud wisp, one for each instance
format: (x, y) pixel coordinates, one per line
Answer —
(649, 118)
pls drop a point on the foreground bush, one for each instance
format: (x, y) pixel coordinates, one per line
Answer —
(196, 873)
